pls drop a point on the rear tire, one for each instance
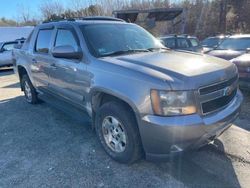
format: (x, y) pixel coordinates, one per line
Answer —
(118, 133)
(29, 90)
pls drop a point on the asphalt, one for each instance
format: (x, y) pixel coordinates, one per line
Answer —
(41, 146)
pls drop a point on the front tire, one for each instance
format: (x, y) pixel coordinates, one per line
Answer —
(118, 133)
(29, 90)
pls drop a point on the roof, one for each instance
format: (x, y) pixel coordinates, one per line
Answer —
(178, 36)
(87, 18)
(82, 21)
(78, 22)
(240, 36)
(159, 14)
(219, 36)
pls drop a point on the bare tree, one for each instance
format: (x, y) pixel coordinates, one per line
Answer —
(24, 13)
(203, 17)
(49, 9)
(25, 17)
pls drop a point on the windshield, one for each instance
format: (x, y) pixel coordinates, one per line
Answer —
(211, 42)
(105, 39)
(235, 44)
(194, 42)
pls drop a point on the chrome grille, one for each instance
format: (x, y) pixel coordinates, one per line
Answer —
(215, 97)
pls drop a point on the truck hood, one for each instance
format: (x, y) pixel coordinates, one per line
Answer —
(243, 63)
(243, 60)
(182, 70)
(225, 54)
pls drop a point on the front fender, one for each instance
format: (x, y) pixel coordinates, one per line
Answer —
(116, 94)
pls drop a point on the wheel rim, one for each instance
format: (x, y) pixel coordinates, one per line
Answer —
(114, 134)
(27, 91)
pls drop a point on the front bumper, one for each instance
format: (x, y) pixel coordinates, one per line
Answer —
(164, 136)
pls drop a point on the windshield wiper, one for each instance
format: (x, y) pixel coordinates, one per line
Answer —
(121, 52)
(158, 48)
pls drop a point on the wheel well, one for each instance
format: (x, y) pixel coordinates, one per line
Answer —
(21, 72)
(100, 98)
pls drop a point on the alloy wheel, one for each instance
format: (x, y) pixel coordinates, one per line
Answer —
(114, 134)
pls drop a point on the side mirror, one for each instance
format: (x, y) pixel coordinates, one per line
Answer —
(18, 46)
(2, 50)
(248, 50)
(214, 47)
(162, 42)
(67, 52)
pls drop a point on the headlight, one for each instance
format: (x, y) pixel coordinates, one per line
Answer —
(171, 103)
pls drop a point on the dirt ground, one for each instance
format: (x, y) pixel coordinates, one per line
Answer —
(41, 146)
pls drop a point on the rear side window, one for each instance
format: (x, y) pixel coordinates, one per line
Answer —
(66, 37)
(43, 41)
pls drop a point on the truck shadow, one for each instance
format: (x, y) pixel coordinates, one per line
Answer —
(6, 71)
(12, 86)
(244, 119)
(208, 167)
(51, 135)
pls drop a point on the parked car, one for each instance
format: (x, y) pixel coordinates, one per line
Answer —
(211, 43)
(142, 97)
(181, 42)
(243, 64)
(6, 52)
(232, 47)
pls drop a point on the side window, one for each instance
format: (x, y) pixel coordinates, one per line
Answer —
(43, 41)
(66, 37)
(182, 43)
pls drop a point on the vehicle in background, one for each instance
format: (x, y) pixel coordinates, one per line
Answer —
(142, 97)
(243, 64)
(211, 43)
(181, 42)
(6, 48)
(232, 47)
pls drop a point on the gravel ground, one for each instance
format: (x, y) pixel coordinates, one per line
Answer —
(41, 146)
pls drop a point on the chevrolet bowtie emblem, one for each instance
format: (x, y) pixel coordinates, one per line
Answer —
(228, 91)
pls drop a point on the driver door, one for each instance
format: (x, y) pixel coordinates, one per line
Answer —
(68, 76)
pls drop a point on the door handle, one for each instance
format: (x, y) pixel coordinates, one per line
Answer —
(53, 66)
(70, 68)
(34, 61)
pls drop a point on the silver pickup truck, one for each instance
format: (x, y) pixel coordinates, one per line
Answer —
(143, 98)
